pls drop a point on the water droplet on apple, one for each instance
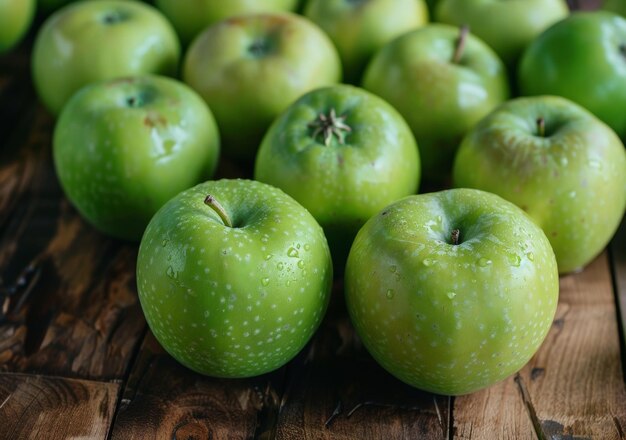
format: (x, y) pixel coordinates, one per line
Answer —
(307, 247)
(390, 294)
(531, 256)
(164, 243)
(288, 283)
(439, 219)
(292, 252)
(393, 269)
(171, 273)
(265, 281)
(515, 260)
(484, 262)
(280, 266)
(301, 264)
(298, 246)
(595, 163)
(451, 295)
(428, 262)
(268, 257)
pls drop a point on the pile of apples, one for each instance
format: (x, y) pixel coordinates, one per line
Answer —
(450, 291)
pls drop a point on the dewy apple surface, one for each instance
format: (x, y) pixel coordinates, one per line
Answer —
(453, 291)
(234, 277)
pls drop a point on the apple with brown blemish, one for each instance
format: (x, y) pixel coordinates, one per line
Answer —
(124, 147)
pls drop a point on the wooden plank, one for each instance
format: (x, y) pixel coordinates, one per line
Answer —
(68, 303)
(337, 391)
(618, 266)
(497, 412)
(36, 407)
(573, 387)
(163, 399)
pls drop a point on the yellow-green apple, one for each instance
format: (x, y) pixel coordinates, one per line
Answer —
(507, 26)
(15, 19)
(250, 68)
(559, 163)
(451, 291)
(360, 28)
(190, 17)
(124, 147)
(443, 80)
(89, 41)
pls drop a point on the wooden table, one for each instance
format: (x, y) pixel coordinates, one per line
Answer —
(77, 360)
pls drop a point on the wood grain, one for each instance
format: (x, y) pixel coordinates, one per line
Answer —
(336, 390)
(163, 399)
(497, 412)
(573, 387)
(68, 304)
(618, 266)
(51, 408)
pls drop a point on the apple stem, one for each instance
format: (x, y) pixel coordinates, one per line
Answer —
(460, 44)
(330, 125)
(219, 209)
(541, 127)
(454, 236)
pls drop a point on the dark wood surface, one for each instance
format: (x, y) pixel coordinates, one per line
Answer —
(77, 360)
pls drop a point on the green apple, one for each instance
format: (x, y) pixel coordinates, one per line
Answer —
(344, 154)
(190, 17)
(90, 41)
(582, 58)
(507, 26)
(250, 68)
(559, 163)
(443, 81)
(124, 147)
(451, 291)
(15, 19)
(360, 28)
(234, 277)
(617, 6)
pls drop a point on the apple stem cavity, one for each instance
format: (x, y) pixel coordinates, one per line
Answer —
(541, 127)
(219, 210)
(330, 125)
(460, 44)
(454, 237)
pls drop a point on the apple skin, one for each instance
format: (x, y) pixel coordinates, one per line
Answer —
(341, 184)
(234, 301)
(251, 68)
(190, 17)
(451, 319)
(16, 17)
(359, 29)
(507, 27)
(572, 182)
(439, 99)
(617, 6)
(581, 58)
(96, 40)
(124, 147)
